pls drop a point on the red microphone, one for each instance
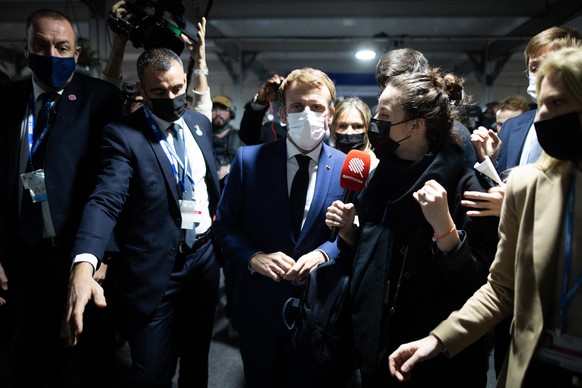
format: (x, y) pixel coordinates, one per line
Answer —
(353, 179)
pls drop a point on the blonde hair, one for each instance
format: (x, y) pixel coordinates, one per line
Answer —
(344, 106)
(565, 65)
(312, 77)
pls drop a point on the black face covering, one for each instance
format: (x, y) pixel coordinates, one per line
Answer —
(345, 143)
(382, 144)
(561, 136)
(169, 109)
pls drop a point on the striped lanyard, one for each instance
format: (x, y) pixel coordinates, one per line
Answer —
(171, 154)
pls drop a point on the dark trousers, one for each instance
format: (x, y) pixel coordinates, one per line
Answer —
(181, 326)
(38, 280)
(267, 356)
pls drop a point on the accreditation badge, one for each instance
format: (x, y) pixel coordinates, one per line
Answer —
(560, 349)
(33, 181)
(187, 211)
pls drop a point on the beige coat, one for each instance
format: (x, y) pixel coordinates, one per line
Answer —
(523, 273)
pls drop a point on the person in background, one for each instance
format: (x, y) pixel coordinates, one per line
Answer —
(226, 139)
(535, 275)
(259, 123)
(510, 107)
(199, 92)
(416, 255)
(349, 127)
(486, 140)
(489, 114)
(51, 124)
(471, 116)
(270, 225)
(517, 144)
(400, 61)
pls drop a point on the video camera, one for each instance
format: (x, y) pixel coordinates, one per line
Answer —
(154, 23)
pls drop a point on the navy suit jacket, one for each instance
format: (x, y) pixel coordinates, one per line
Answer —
(137, 194)
(513, 134)
(85, 106)
(253, 216)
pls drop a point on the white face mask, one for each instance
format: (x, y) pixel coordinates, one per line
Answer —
(306, 128)
(531, 88)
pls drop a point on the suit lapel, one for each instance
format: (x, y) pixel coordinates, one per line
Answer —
(277, 178)
(161, 157)
(325, 171)
(551, 194)
(66, 108)
(517, 140)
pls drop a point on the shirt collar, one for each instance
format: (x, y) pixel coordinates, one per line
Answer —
(163, 124)
(292, 151)
(37, 90)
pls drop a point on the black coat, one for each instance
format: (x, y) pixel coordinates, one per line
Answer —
(432, 285)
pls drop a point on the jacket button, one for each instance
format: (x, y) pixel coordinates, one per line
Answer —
(172, 251)
(297, 253)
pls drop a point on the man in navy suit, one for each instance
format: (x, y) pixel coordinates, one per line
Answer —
(273, 234)
(517, 143)
(158, 187)
(36, 238)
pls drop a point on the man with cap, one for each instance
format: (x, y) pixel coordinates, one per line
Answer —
(226, 138)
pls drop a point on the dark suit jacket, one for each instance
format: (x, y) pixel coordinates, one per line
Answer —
(138, 195)
(253, 131)
(85, 106)
(513, 134)
(253, 215)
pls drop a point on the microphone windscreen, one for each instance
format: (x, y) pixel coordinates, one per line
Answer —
(355, 170)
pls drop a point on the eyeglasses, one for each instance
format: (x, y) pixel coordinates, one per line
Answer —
(382, 127)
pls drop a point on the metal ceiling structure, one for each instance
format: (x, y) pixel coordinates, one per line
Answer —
(247, 40)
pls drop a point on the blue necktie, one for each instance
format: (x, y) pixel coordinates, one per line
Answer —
(299, 193)
(42, 127)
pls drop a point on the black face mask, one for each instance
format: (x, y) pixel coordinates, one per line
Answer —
(561, 136)
(169, 109)
(382, 144)
(345, 143)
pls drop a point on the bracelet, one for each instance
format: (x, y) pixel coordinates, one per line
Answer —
(201, 71)
(437, 238)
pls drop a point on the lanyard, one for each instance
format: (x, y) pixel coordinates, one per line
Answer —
(32, 145)
(170, 153)
(568, 294)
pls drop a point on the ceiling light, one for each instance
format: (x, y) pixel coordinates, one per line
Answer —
(365, 55)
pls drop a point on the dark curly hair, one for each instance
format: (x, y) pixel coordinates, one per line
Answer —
(432, 97)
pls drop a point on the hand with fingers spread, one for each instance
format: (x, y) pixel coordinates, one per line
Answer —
(303, 267)
(403, 359)
(274, 265)
(82, 289)
(484, 204)
(486, 142)
(342, 215)
(197, 49)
